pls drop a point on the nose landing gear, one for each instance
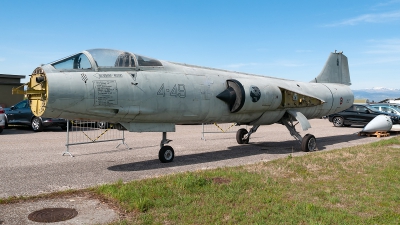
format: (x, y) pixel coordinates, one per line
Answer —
(166, 153)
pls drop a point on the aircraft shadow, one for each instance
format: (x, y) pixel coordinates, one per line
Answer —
(233, 152)
(230, 153)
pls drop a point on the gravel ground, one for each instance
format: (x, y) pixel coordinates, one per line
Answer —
(32, 163)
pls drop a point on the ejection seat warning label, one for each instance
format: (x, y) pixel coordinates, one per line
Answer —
(105, 92)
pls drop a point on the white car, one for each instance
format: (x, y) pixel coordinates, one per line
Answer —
(386, 108)
(2, 119)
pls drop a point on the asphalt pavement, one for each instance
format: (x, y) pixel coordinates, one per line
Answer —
(31, 163)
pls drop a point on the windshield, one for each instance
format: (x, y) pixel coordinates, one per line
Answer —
(396, 106)
(373, 109)
(78, 61)
(390, 109)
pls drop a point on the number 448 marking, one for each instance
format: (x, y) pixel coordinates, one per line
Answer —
(178, 91)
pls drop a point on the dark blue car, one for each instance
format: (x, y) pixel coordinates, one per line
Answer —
(21, 114)
(359, 114)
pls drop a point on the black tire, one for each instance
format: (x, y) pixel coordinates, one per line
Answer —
(309, 143)
(239, 136)
(36, 124)
(166, 154)
(1, 129)
(102, 125)
(5, 124)
(65, 127)
(338, 121)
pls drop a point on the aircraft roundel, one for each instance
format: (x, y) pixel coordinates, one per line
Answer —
(255, 93)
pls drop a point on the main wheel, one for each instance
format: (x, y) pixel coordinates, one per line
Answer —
(102, 125)
(239, 136)
(338, 121)
(1, 129)
(166, 154)
(309, 143)
(37, 124)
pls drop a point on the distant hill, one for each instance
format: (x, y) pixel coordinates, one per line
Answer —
(377, 94)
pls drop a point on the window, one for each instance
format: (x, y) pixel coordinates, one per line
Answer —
(79, 61)
(21, 105)
(108, 58)
(125, 60)
(385, 109)
(144, 61)
(361, 109)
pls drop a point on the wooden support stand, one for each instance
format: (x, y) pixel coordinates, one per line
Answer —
(376, 134)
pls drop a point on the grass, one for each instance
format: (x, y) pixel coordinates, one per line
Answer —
(357, 185)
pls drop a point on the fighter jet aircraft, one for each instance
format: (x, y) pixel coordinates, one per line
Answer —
(142, 94)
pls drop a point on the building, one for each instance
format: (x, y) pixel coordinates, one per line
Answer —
(361, 101)
(7, 82)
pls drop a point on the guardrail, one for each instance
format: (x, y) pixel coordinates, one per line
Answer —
(90, 132)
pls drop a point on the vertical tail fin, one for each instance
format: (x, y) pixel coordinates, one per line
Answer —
(336, 70)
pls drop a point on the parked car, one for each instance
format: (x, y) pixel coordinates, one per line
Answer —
(21, 114)
(359, 114)
(385, 107)
(2, 119)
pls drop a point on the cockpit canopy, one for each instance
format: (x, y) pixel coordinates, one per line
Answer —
(104, 58)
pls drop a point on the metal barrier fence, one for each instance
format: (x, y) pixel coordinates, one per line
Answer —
(89, 132)
(220, 128)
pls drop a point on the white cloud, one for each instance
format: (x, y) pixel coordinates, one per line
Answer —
(388, 3)
(369, 18)
(386, 46)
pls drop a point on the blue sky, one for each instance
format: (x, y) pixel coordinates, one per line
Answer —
(287, 39)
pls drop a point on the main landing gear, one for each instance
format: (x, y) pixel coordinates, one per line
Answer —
(308, 142)
(166, 153)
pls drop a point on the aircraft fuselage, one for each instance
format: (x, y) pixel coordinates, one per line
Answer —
(149, 95)
(179, 93)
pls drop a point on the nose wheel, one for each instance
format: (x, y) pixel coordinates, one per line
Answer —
(166, 153)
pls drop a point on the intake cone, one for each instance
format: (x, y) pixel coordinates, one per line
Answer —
(233, 95)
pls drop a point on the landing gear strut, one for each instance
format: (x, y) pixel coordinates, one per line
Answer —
(243, 137)
(166, 153)
(308, 142)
